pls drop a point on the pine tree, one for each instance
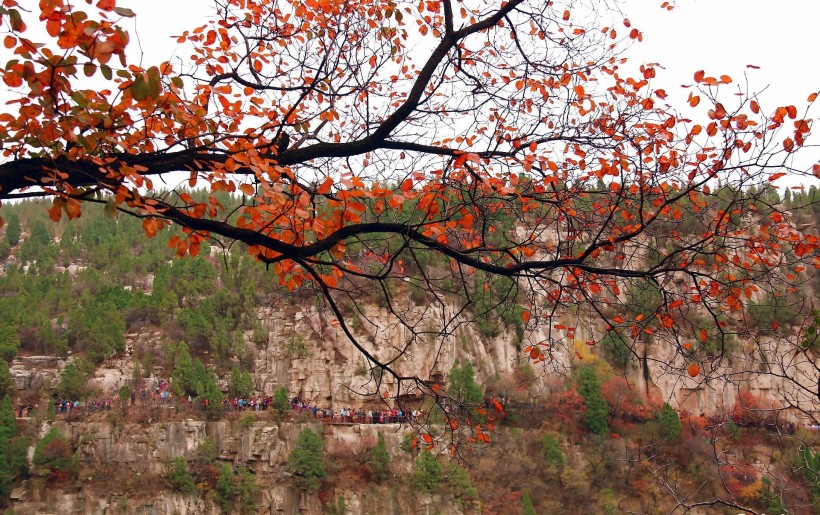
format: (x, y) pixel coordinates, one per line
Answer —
(13, 229)
(427, 475)
(6, 381)
(597, 408)
(527, 508)
(225, 489)
(463, 386)
(381, 459)
(306, 460)
(670, 423)
(8, 424)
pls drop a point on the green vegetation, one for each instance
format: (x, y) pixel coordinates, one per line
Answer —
(306, 461)
(9, 343)
(246, 489)
(810, 465)
(427, 475)
(669, 423)
(53, 455)
(527, 508)
(462, 385)
(380, 459)
(13, 230)
(597, 408)
(179, 478)
(551, 449)
(240, 384)
(337, 507)
(6, 381)
(281, 402)
(224, 491)
(13, 451)
(616, 350)
(72, 383)
(460, 484)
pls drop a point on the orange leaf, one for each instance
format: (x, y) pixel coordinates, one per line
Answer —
(497, 405)
(693, 370)
(9, 41)
(699, 75)
(55, 212)
(812, 97)
(776, 176)
(775, 325)
(788, 144)
(525, 316)
(566, 15)
(694, 101)
(755, 106)
(453, 424)
(72, 208)
(246, 188)
(106, 5)
(579, 91)
(427, 438)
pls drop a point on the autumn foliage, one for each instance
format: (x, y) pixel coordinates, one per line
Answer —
(515, 145)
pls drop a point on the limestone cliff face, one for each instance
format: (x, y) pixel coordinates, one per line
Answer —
(307, 353)
(131, 451)
(331, 371)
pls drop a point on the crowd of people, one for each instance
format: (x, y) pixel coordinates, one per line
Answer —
(357, 416)
(161, 395)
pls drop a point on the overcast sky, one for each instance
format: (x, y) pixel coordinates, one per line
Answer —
(781, 37)
(724, 36)
(718, 36)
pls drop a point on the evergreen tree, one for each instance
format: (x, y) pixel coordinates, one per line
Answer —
(427, 475)
(224, 488)
(669, 422)
(463, 386)
(281, 401)
(306, 461)
(5, 472)
(209, 394)
(527, 508)
(179, 477)
(246, 490)
(9, 342)
(8, 424)
(240, 384)
(54, 454)
(597, 408)
(72, 383)
(13, 229)
(552, 451)
(381, 459)
(6, 381)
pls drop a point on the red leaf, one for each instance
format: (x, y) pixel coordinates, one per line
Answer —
(106, 5)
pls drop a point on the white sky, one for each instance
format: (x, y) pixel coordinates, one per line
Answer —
(724, 36)
(782, 37)
(718, 36)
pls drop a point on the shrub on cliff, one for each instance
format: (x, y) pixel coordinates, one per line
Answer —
(53, 455)
(306, 461)
(179, 477)
(427, 475)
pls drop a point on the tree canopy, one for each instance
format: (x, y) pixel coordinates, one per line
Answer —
(495, 156)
